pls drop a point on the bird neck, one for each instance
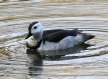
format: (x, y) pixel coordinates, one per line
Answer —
(38, 36)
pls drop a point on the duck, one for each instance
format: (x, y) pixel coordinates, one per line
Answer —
(54, 39)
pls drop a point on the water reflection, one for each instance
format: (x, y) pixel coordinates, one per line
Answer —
(58, 54)
(88, 16)
(37, 57)
(35, 67)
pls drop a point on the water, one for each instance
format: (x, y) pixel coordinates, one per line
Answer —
(80, 62)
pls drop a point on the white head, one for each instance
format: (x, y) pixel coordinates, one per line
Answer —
(35, 29)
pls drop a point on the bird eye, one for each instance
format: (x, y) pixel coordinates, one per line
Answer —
(35, 27)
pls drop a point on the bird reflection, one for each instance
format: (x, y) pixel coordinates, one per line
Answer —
(58, 54)
(61, 54)
(37, 57)
(35, 64)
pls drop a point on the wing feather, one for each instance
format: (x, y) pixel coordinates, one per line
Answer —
(58, 36)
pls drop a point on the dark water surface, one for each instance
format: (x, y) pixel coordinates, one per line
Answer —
(80, 62)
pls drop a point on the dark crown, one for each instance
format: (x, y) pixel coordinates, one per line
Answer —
(33, 23)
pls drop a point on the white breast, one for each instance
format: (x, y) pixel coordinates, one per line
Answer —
(31, 41)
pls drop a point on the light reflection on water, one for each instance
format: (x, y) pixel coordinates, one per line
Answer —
(87, 15)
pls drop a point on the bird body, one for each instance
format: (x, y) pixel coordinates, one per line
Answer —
(54, 39)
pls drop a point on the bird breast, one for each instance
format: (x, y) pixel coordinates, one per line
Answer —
(31, 42)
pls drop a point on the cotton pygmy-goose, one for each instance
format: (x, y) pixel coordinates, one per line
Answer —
(55, 39)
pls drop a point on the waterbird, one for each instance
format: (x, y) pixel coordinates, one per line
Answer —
(54, 39)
